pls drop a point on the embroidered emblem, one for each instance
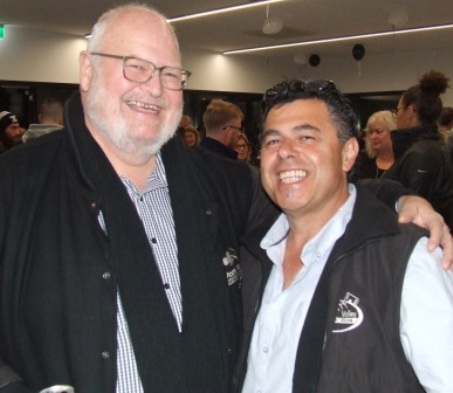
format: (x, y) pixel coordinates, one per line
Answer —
(349, 314)
(230, 257)
(231, 262)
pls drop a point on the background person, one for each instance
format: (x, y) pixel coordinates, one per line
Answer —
(50, 119)
(378, 156)
(10, 131)
(223, 121)
(243, 148)
(423, 163)
(191, 136)
(446, 124)
(185, 122)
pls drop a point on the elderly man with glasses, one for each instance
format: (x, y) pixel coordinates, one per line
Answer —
(118, 250)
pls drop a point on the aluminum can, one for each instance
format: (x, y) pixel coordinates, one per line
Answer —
(58, 389)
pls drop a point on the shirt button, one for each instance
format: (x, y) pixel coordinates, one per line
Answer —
(105, 355)
(106, 275)
(208, 212)
(93, 205)
(265, 349)
(229, 350)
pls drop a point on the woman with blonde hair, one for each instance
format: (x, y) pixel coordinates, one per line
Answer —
(378, 157)
(191, 136)
(243, 148)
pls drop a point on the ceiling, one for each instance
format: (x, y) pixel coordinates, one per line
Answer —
(303, 20)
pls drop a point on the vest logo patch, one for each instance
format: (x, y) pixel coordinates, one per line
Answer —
(231, 262)
(349, 314)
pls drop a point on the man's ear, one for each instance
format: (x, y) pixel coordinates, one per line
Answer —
(350, 152)
(86, 71)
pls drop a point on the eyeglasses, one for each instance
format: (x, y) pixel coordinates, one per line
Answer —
(241, 146)
(141, 71)
(314, 86)
(234, 127)
(291, 89)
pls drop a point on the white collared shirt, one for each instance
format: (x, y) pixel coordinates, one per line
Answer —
(280, 320)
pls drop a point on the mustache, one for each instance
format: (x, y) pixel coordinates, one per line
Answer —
(146, 99)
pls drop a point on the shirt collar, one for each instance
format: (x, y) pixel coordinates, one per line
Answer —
(324, 239)
(157, 178)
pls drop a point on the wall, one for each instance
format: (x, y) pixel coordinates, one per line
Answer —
(38, 56)
(44, 57)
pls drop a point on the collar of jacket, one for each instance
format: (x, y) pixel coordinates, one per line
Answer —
(362, 227)
(404, 138)
(217, 147)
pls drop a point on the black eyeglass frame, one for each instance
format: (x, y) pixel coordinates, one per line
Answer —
(185, 74)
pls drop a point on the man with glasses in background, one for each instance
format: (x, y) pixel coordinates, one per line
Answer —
(118, 244)
(223, 121)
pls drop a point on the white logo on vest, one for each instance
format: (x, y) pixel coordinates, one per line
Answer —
(349, 314)
(231, 262)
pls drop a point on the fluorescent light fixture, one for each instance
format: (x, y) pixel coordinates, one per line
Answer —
(339, 39)
(222, 10)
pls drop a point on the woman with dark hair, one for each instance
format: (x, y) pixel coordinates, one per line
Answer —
(422, 160)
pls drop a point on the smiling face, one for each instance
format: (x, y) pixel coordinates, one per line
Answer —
(129, 117)
(189, 138)
(303, 164)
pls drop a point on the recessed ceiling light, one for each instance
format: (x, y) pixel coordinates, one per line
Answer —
(222, 10)
(338, 39)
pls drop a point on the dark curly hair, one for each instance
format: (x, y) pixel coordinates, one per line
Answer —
(339, 107)
(425, 96)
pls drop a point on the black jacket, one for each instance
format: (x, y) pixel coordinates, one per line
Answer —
(217, 147)
(60, 273)
(423, 164)
(375, 248)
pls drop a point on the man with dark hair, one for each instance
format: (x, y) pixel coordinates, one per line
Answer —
(10, 131)
(338, 297)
